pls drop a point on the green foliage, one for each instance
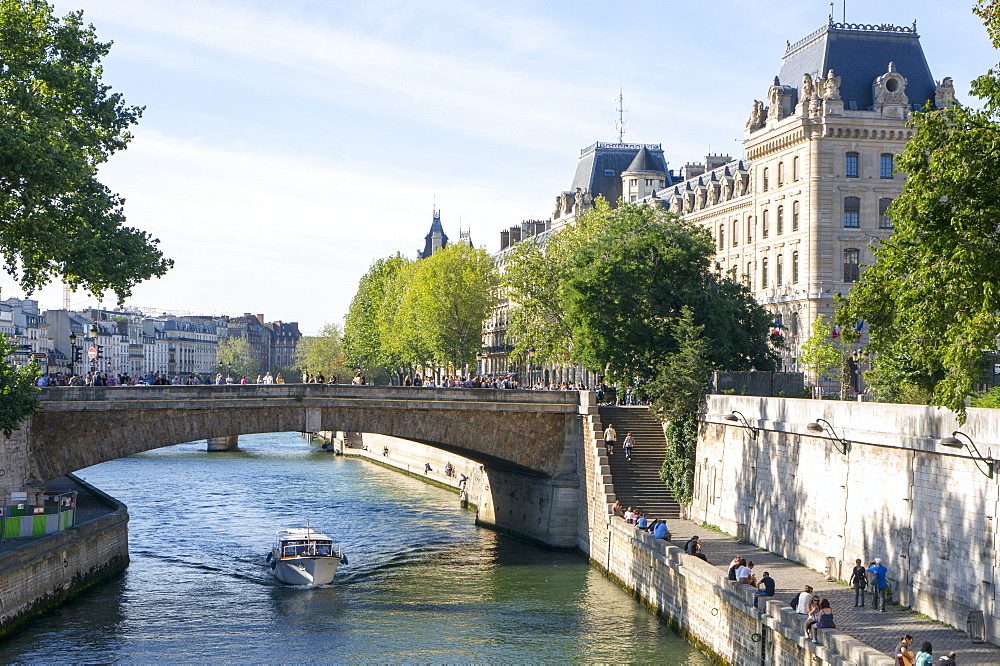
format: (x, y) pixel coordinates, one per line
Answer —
(988, 399)
(58, 124)
(679, 387)
(18, 390)
(629, 278)
(236, 357)
(677, 471)
(407, 314)
(933, 296)
(821, 351)
(323, 353)
(367, 331)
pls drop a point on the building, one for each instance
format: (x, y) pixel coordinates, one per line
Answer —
(436, 239)
(797, 218)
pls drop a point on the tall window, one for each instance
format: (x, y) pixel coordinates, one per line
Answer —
(779, 222)
(722, 237)
(779, 270)
(852, 264)
(749, 228)
(748, 276)
(795, 267)
(781, 173)
(736, 233)
(851, 165)
(885, 166)
(852, 212)
(884, 219)
(795, 168)
(795, 216)
(763, 225)
(764, 175)
(763, 273)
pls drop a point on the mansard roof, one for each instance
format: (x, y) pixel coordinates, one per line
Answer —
(601, 166)
(859, 54)
(435, 239)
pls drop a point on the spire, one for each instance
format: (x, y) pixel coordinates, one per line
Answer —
(643, 162)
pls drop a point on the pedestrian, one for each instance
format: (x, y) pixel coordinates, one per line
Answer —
(879, 583)
(924, 657)
(765, 588)
(859, 579)
(610, 437)
(628, 444)
(904, 655)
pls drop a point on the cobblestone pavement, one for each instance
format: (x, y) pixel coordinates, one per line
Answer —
(879, 630)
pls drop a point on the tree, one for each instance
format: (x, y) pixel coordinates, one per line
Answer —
(628, 282)
(235, 356)
(932, 298)
(450, 294)
(323, 353)
(18, 392)
(58, 123)
(365, 343)
(820, 352)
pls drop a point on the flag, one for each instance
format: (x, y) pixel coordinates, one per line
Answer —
(860, 325)
(835, 333)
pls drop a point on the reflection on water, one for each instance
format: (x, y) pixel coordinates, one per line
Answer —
(424, 584)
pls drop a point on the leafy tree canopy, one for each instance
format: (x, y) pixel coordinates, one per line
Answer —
(18, 392)
(933, 297)
(323, 353)
(364, 343)
(237, 357)
(58, 123)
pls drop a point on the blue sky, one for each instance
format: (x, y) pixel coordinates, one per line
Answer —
(287, 145)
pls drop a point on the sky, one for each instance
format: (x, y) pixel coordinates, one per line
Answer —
(285, 146)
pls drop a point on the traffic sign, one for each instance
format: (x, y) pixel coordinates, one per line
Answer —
(39, 355)
(92, 353)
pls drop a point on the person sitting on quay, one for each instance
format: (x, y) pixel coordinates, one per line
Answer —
(824, 620)
(800, 602)
(737, 562)
(693, 547)
(660, 530)
(642, 523)
(765, 588)
(744, 574)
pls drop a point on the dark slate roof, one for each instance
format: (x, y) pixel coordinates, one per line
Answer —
(645, 163)
(437, 231)
(859, 54)
(601, 165)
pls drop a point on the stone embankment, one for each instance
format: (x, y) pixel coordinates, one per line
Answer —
(40, 573)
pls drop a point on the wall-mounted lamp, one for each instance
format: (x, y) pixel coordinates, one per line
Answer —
(977, 457)
(822, 425)
(742, 420)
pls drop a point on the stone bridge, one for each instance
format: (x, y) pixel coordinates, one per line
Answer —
(528, 442)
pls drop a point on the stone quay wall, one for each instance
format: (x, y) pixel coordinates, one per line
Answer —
(45, 572)
(694, 596)
(925, 509)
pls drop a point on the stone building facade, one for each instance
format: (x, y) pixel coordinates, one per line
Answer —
(798, 217)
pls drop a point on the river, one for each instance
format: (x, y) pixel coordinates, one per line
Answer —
(424, 584)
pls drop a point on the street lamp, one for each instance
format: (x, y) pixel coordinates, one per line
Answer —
(737, 417)
(977, 457)
(822, 425)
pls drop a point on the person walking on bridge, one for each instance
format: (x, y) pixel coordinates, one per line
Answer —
(610, 437)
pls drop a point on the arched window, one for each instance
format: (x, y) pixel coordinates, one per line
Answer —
(852, 212)
(884, 219)
(795, 267)
(779, 222)
(763, 225)
(852, 264)
(795, 214)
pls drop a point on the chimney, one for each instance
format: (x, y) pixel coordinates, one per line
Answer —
(515, 235)
(260, 318)
(715, 161)
(504, 239)
(691, 170)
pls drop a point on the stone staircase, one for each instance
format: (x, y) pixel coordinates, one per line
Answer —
(637, 482)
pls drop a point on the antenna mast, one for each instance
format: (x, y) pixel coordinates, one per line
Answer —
(620, 125)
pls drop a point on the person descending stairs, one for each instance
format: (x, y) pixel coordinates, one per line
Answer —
(637, 481)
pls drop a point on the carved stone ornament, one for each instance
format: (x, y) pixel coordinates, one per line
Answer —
(830, 86)
(944, 93)
(756, 120)
(890, 88)
(807, 88)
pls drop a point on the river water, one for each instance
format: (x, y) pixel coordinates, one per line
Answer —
(424, 584)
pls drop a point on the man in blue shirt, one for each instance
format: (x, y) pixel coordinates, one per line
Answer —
(765, 588)
(660, 530)
(880, 583)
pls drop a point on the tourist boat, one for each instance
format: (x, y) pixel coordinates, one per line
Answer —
(303, 556)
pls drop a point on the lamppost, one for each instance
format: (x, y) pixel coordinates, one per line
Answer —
(91, 337)
(859, 356)
(75, 353)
